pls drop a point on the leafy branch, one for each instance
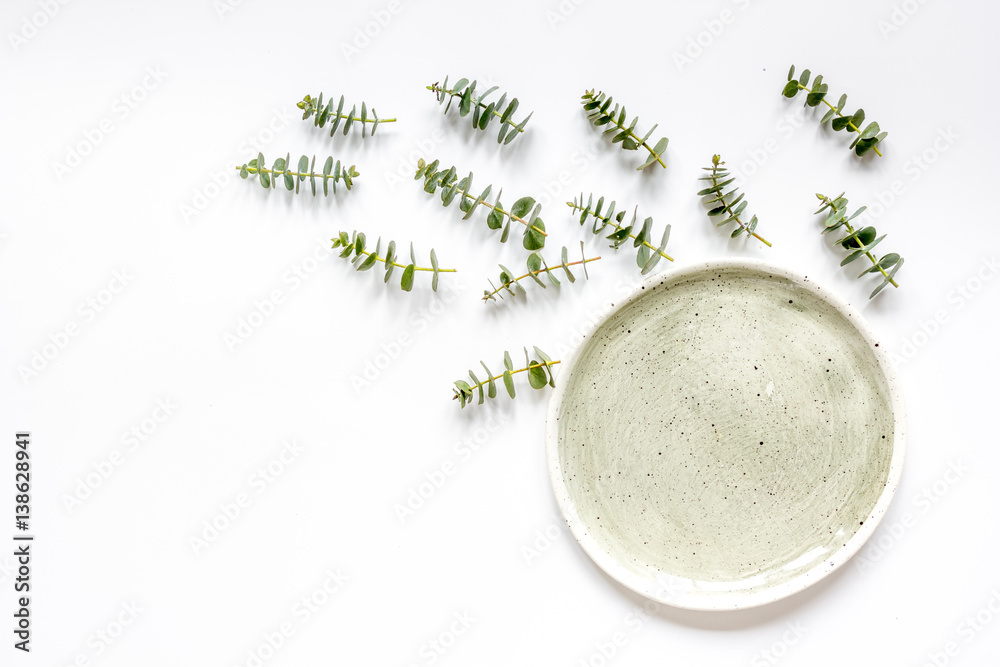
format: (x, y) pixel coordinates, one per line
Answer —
(649, 255)
(525, 210)
(599, 110)
(323, 114)
(539, 374)
(332, 171)
(860, 241)
(364, 259)
(537, 266)
(867, 139)
(483, 113)
(725, 204)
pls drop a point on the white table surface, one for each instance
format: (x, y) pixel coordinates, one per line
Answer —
(148, 249)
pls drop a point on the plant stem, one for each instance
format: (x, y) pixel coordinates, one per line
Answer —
(438, 89)
(544, 269)
(632, 134)
(850, 230)
(351, 119)
(849, 123)
(729, 208)
(310, 174)
(379, 259)
(519, 370)
(618, 228)
(466, 195)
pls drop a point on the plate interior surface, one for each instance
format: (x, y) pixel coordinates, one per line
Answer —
(725, 438)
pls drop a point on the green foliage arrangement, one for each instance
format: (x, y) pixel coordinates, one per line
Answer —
(354, 250)
(600, 112)
(859, 241)
(525, 210)
(483, 112)
(868, 139)
(539, 374)
(332, 172)
(648, 255)
(328, 114)
(537, 266)
(727, 203)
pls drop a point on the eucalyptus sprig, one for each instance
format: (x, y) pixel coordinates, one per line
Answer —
(483, 112)
(364, 259)
(868, 139)
(525, 210)
(332, 172)
(539, 374)
(537, 266)
(724, 202)
(599, 110)
(859, 241)
(649, 255)
(323, 114)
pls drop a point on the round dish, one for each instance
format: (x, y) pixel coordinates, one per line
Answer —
(727, 436)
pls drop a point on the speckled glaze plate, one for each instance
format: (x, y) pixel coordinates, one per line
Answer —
(725, 437)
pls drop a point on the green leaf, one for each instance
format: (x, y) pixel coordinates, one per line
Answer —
(536, 376)
(840, 123)
(870, 131)
(492, 392)
(790, 89)
(407, 280)
(508, 381)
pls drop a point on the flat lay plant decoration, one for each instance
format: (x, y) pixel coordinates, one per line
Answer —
(859, 241)
(322, 115)
(354, 249)
(536, 267)
(539, 374)
(525, 210)
(648, 255)
(728, 203)
(868, 138)
(483, 112)
(601, 113)
(332, 173)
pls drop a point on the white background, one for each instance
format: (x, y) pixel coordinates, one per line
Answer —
(197, 257)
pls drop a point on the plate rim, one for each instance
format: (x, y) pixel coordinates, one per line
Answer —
(732, 600)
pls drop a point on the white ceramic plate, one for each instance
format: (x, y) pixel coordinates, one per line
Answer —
(725, 437)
